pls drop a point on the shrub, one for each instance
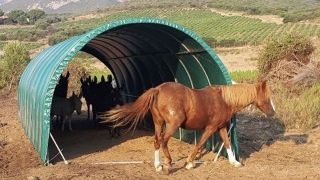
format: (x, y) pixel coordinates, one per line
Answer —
(300, 110)
(42, 24)
(56, 38)
(53, 19)
(18, 16)
(3, 37)
(35, 14)
(1, 12)
(77, 70)
(13, 62)
(291, 48)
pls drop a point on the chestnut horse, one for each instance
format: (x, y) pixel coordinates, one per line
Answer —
(174, 105)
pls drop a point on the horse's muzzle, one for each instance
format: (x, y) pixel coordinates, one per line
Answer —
(271, 113)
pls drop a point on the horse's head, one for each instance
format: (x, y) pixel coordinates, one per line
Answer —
(263, 101)
(77, 102)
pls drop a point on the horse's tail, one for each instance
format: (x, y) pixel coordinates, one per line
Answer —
(132, 113)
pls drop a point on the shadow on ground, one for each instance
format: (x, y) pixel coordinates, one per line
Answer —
(255, 131)
(86, 138)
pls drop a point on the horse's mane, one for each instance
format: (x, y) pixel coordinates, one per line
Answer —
(239, 94)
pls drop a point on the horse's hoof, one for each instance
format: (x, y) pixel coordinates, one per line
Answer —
(190, 165)
(236, 164)
(159, 168)
(166, 169)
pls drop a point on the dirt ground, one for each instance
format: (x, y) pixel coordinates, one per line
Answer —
(267, 152)
(264, 18)
(239, 58)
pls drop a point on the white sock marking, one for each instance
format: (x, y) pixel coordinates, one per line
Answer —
(189, 165)
(232, 158)
(157, 162)
(230, 155)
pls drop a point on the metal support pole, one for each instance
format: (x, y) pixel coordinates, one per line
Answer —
(55, 143)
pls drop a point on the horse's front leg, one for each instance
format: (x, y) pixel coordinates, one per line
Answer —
(69, 118)
(88, 107)
(206, 134)
(62, 120)
(224, 136)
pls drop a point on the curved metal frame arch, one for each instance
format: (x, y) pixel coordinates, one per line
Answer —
(40, 78)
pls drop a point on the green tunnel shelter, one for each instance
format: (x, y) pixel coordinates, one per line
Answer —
(140, 52)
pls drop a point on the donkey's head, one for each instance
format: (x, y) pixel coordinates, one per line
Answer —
(77, 102)
(263, 101)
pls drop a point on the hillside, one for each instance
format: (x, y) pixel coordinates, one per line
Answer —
(290, 10)
(57, 6)
(217, 29)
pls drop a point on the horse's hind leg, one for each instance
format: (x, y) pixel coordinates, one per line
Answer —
(224, 136)
(69, 118)
(157, 143)
(206, 134)
(170, 130)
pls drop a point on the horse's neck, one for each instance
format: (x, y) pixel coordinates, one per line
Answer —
(238, 97)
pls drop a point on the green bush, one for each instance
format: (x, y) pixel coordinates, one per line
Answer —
(35, 14)
(42, 24)
(18, 16)
(53, 19)
(3, 37)
(13, 62)
(289, 48)
(56, 38)
(244, 76)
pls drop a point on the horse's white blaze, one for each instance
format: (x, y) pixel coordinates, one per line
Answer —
(157, 162)
(273, 106)
(114, 83)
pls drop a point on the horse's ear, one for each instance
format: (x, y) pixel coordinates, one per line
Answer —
(68, 74)
(264, 84)
(102, 79)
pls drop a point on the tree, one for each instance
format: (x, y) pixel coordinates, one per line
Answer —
(17, 15)
(35, 14)
(42, 24)
(22, 20)
(13, 62)
(1, 12)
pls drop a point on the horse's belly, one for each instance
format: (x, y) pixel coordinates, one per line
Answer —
(195, 123)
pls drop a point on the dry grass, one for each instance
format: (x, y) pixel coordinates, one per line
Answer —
(298, 107)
